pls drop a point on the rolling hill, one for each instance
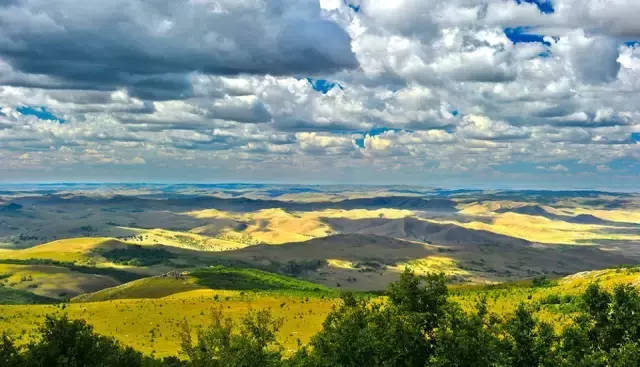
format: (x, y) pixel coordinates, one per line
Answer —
(213, 278)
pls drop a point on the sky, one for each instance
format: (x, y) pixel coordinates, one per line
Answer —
(464, 93)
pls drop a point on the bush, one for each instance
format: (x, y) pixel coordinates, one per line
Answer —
(10, 354)
(296, 268)
(66, 343)
(418, 326)
(137, 255)
(541, 282)
(218, 345)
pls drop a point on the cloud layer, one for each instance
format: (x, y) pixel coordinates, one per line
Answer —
(463, 92)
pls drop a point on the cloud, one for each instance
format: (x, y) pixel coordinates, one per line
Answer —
(594, 59)
(150, 47)
(321, 89)
(138, 160)
(248, 109)
(556, 168)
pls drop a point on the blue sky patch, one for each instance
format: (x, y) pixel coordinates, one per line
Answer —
(322, 85)
(545, 54)
(40, 112)
(545, 6)
(455, 113)
(632, 43)
(355, 8)
(636, 137)
(625, 164)
(521, 35)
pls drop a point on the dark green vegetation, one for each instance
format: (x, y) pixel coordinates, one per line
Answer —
(9, 296)
(137, 255)
(63, 342)
(418, 326)
(216, 277)
(120, 275)
(220, 277)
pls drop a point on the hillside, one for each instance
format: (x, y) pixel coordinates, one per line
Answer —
(422, 230)
(9, 296)
(151, 324)
(370, 262)
(53, 281)
(213, 278)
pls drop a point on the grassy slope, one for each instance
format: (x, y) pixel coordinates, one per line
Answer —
(67, 250)
(52, 281)
(503, 299)
(214, 278)
(220, 277)
(65, 268)
(155, 287)
(150, 324)
(10, 296)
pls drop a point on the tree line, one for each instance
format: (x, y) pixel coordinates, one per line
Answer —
(418, 325)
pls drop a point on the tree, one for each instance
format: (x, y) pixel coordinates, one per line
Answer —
(422, 297)
(9, 353)
(467, 340)
(528, 342)
(217, 345)
(72, 343)
(397, 333)
(607, 331)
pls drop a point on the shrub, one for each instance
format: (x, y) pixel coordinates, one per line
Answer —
(218, 345)
(66, 343)
(417, 326)
(9, 353)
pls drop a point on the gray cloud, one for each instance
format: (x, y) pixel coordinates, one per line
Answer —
(430, 88)
(148, 46)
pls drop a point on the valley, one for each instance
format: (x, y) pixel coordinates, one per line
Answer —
(134, 261)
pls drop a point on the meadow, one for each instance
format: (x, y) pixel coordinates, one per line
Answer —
(135, 266)
(147, 319)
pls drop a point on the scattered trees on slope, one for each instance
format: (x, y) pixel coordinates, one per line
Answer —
(417, 326)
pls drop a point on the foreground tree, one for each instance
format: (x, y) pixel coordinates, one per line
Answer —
(416, 326)
(72, 343)
(529, 342)
(10, 354)
(467, 340)
(607, 331)
(218, 345)
(395, 333)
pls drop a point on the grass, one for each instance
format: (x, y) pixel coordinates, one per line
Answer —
(66, 250)
(10, 296)
(150, 324)
(544, 230)
(154, 287)
(220, 277)
(213, 278)
(120, 275)
(52, 281)
(278, 226)
(554, 303)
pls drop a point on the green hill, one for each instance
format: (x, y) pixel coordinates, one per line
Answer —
(216, 278)
(9, 296)
(221, 277)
